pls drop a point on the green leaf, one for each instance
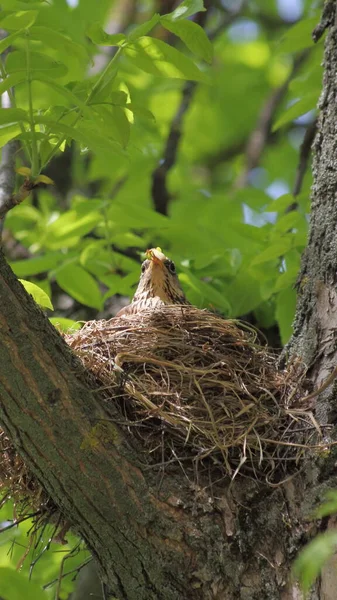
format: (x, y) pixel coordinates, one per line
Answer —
(273, 252)
(158, 58)
(308, 102)
(281, 203)
(41, 63)
(17, 5)
(285, 312)
(243, 294)
(140, 111)
(11, 81)
(291, 220)
(208, 294)
(299, 36)
(115, 123)
(16, 586)
(193, 36)
(9, 39)
(65, 325)
(313, 557)
(254, 198)
(22, 19)
(12, 115)
(69, 225)
(328, 506)
(66, 93)
(186, 9)
(8, 133)
(100, 37)
(54, 39)
(83, 134)
(79, 284)
(144, 28)
(38, 294)
(36, 265)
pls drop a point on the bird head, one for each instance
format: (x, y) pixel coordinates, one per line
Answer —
(159, 279)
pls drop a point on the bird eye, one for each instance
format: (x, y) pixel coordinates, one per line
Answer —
(172, 267)
(143, 267)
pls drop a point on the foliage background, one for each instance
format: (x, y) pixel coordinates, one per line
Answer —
(153, 141)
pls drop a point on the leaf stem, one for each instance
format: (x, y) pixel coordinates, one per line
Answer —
(87, 102)
(35, 155)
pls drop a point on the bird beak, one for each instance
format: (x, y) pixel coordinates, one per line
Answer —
(156, 256)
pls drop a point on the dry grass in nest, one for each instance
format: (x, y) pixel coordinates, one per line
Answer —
(198, 390)
(195, 390)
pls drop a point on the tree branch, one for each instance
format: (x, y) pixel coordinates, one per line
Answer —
(260, 136)
(305, 152)
(7, 178)
(7, 167)
(160, 193)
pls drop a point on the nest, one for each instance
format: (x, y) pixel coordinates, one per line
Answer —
(200, 391)
(193, 391)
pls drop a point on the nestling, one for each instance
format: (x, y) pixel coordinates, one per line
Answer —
(158, 284)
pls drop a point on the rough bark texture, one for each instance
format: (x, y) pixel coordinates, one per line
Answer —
(180, 542)
(174, 540)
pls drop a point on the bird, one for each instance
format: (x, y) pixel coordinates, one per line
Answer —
(158, 285)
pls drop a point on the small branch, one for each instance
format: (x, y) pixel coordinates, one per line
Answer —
(7, 177)
(262, 132)
(160, 194)
(9, 199)
(7, 167)
(305, 152)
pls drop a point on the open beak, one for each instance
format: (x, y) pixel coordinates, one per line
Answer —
(156, 256)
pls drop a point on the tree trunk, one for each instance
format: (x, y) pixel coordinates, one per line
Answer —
(172, 540)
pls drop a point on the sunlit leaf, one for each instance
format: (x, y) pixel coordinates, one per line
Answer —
(38, 294)
(57, 40)
(40, 63)
(79, 284)
(100, 37)
(36, 264)
(193, 36)
(144, 28)
(65, 325)
(158, 58)
(186, 9)
(19, 20)
(25, 171)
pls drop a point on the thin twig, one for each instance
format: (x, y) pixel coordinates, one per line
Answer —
(302, 166)
(261, 134)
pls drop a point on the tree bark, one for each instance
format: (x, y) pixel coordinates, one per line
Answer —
(173, 540)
